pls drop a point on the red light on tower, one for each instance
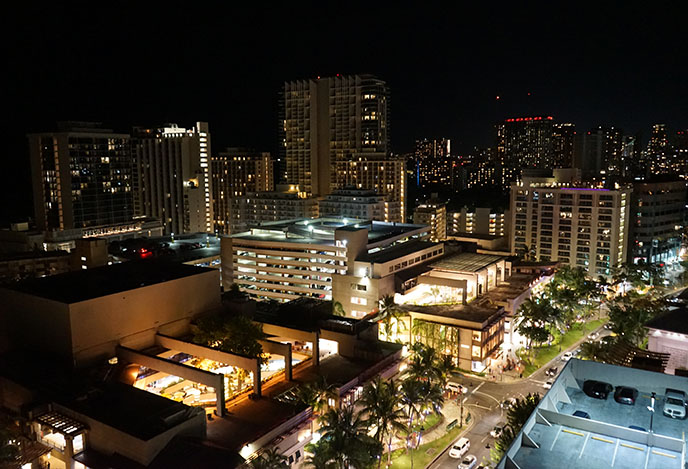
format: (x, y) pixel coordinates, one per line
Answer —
(497, 98)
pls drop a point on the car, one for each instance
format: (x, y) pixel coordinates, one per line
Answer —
(497, 431)
(675, 404)
(582, 414)
(597, 389)
(594, 335)
(551, 371)
(456, 387)
(636, 427)
(548, 384)
(469, 462)
(625, 395)
(608, 326)
(506, 405)
(566, 356)
(459, 448)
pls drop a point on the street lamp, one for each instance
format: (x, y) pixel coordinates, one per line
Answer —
(651, 408)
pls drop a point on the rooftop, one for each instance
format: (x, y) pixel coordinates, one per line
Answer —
(466, 262)
(607, 434)
(82, 285)
(131, 410)
(478, 311)
(676, 320)
(322, 230)
(395, 252)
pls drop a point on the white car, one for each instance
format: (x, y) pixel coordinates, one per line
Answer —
(566, 356)
(469, 462)
(456, 387)
(594, 335)
(497, 431)
(548, 384)
(675, 404)
(459, 448)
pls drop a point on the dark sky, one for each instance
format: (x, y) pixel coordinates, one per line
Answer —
(124, 64)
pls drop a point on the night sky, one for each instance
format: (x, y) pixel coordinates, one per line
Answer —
(621, 65)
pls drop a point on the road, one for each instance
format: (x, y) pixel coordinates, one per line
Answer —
(483, 402)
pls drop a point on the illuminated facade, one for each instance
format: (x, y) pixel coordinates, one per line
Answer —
(81, 177)
(384, 175)
(479, 220)
(254, 208)
(286, 260)
(172, 177)
(563, 136)
(577, 223)
(433, 162)
(600, 151)
(434, 214)
(657, 221)
(362, 204)
(524, 142)
(328, 121)
(235, 172)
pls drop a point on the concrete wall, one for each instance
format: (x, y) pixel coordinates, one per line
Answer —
(132, 318)
(36, 323)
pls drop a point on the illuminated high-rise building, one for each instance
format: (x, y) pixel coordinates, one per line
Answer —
(600, 151)
(172, 177)
(235, 172)
(81, 177)
(563, 136)
(524, 142)
(329, 120)
(433, 213)
(433, 162)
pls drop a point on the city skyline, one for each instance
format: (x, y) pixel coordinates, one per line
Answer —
(448, 76)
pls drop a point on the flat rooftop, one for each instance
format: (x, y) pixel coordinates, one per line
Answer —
(466, 262)
(475, 311)
(395, 252)
(82, 285)
(612, 434)
(321, 230)
(675, 320)
(132, 411)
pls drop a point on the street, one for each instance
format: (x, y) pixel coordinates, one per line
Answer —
(483, 402)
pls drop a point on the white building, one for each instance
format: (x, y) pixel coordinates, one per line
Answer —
(560, 218)
(172, 177)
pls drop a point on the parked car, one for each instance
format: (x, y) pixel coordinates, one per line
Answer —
(675, 404)
(608, 326)
(597, 389)
(497, 431)
(469, 462)
(548, 384)
(625, 395)
(594, 335)
(551, 371)
(577, 352)
(582, 414)
(459, 448)
(567, 356)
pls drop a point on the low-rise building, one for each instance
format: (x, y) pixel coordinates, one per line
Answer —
(470, 333)
(362, 204)
(478, 220)
(254, 208)
(308, 257)
(669, 334)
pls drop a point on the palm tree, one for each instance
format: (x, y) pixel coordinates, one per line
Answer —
(423, 362)
(382, 406)
(433, 398)
(391, 315)
(344, 440)
(270, 459)
(444, 366)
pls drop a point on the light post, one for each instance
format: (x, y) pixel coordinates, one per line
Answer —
(651, 408)
(460, 401)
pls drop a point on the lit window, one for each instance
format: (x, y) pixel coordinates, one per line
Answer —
(359, 301)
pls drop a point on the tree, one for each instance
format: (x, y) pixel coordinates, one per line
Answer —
(9, 450)
(435, 292)
(423, 361)
(270, 459)
(629, 313)
(596, 351)
(516, 417)
(390, 316)
(338, 309)
(314, 394)
(444, 366)
(236, 334)
(344, 441)
(382, 407)
(534, 317)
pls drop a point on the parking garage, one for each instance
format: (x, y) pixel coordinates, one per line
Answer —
(586, 432)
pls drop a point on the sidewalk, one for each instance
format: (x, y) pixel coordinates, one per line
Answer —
(450, 411)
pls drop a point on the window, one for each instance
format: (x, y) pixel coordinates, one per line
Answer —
(359, 301)
(475, 351)
(476, 335)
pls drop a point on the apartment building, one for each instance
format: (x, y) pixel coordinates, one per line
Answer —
(564, 219)
(434, 214)
(363, 204)
(478, 220)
